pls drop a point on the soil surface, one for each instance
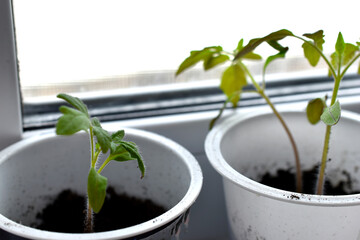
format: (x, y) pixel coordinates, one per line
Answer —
(285, 180)
(67, 212)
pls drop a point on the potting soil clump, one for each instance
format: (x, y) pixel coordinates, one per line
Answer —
(285, 180)
(67, 212)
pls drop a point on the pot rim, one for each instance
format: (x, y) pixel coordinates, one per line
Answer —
(148, 226)
(215, 157)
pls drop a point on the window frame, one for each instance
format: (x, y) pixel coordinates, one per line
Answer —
(186, 100)
(170, 101)
(10, 104)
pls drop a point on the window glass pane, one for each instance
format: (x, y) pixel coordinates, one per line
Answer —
(89, 45)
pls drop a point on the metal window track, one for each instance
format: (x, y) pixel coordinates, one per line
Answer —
(187, 100)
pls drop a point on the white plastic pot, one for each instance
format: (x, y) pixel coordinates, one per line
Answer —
(244, 147)
(34, 170)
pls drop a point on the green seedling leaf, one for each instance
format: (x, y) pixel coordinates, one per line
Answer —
(120, 154)
(75, 102)
(116, 139)
(102, 136)
(233, 80)
(340, 44)
(346, 57)
(122, 151)
(134, 153)
(96, 190)
(331, 115)
(197, 56)
(310, 52)
(240, 45)
(250, 55)
(315, 109)
(281, 53)
(118, 136)
(349, 53)
(213, 61)
(254, 43)
(72, 121)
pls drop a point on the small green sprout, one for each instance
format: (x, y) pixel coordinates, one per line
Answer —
(235, 78)
(77, 118)
(345, 55)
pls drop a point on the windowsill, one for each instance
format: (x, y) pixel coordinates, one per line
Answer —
(180, 126)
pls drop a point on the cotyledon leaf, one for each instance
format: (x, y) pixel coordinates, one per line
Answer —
(331, 115)
(96, 190)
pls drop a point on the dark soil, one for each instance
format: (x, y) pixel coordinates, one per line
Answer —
(67, 212)
(285, 180)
